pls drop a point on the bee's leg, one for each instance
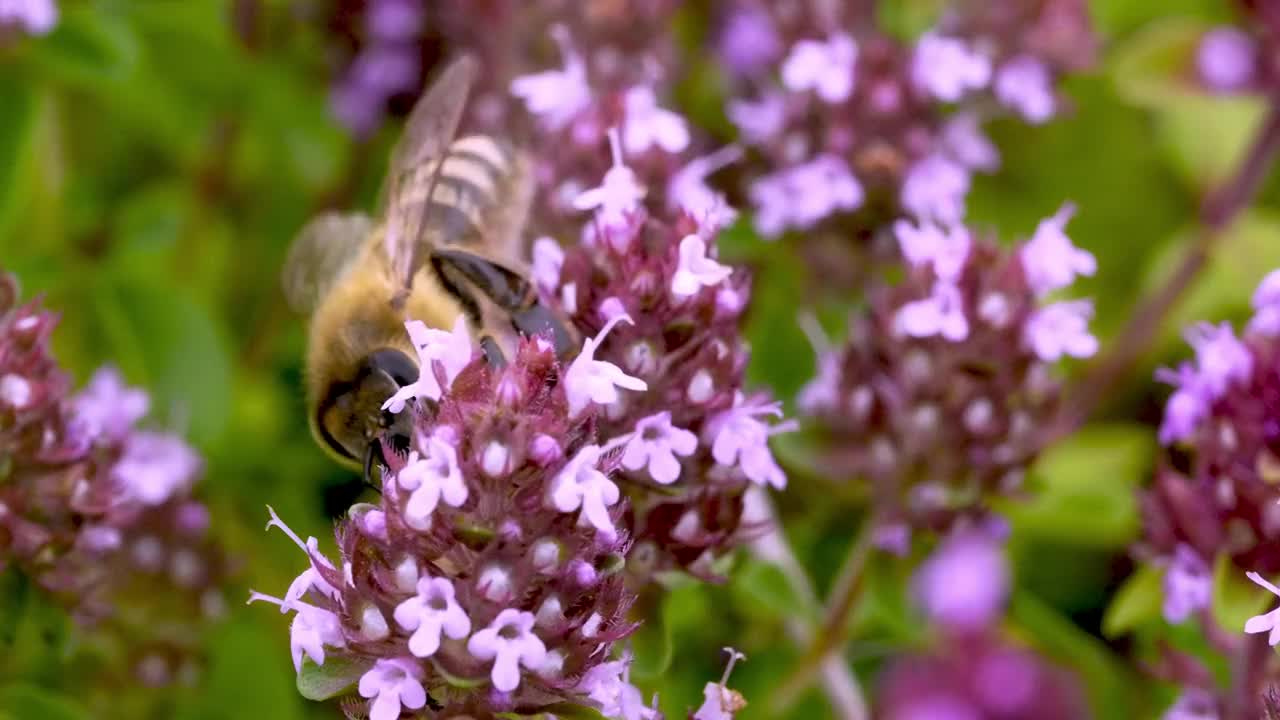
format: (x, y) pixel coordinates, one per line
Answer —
(493, 352)
(456, 286)
(510, 291)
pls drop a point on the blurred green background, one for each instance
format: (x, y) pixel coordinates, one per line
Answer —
(155, 162)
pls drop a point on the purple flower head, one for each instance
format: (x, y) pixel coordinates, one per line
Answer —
(964, 584)
(1025, 85)
(1227, 59)
(696, 270)
(655, 445)
(1061, 329)
(433, 613)
(509, 642)
(1267, 622)
(582, 485)
(608, 686)
(1193, 704)
(1266, 306)
(941, 314)
(393, 684)
(155, 467)
(740, 438)
(449, 351)
(947, 68)
(1188, 584)
(760, 120)
(428, 478)
(556, 97)
(749, 41)
(827, 68)
(1221, 358)
(963, 140)
(108, 407)
(37, 17)
(935, 188)
(646, 125)
(929, 245)
(1049, 259)
(800, 196)
(688, 191)
(1187, 406)
(597, 381)
(618, 196)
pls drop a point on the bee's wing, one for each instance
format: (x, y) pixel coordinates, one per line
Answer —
(322, 251)
(430, 129)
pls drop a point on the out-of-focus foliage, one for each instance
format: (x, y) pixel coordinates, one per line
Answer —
(156, 157)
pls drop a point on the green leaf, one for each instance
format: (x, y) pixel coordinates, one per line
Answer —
(87, 47)
(29, 701)
(563, 710)
(1156, 65)
(1137, 602)
(653, 645)
(1083, 488)
(17, 134)
(1206, 138)
(763, 589)
(335, 677)
(1235, 597)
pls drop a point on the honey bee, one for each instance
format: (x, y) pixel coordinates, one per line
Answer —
(449, 244)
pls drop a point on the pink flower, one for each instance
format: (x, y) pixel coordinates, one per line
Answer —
(393, 684)
(761, 120)
(556, 96)
(688, 190)
(109, 407)
(942, 313)
(1222, 359)
(1024, 84)
(947, 68)
(607, 685)
(154, 467)
(312, 629)
(935, 188)
(451, 349)
(1187, 406)
(804, 194)
(739, 438)
(618, 195)
(1049, 259)
(429, 478)
(1061, 329)
(963, 140)
(1188, 584)
(928, 244)
(429, 614)
(1227, 59)
(580, 484)
(36, 16)
(1266, 306)
(655, 443)
(646, 124)
(510, 642)
(696, 270)
(964, 584)
(827, 68)
(1267, 622)
(589, 380)
(548, 258)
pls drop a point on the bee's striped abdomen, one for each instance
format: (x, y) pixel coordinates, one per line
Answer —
(473, 178)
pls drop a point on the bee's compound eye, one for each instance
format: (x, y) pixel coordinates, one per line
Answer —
(395, 364)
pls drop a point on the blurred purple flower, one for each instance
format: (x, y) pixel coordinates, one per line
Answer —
(36, 17)
(107, 407)
(964, 584)
(393, 684)
(749, 41)
(1188, 584)
(800, 196)
(1061, 329)
(1221, 358)
(645, 124)
(1266, 306)
(1025, 85)
(1049, 259)
(556, 97)
(963, 140)
(759, 120)
(947, 67)
(395, 20)
(155, 467)
(825, 67)
(1227, 59)
(1267, 622)
(934, 189)
(928, 245)
(940, 314)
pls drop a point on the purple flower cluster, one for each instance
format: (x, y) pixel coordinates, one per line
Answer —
(489, 577)
(972, 673)
(1219, 493)
(386, 64)
(35, 17)
(698, 440)
(841, 115)
(96, 511)
(1241, 59)
(938, 394)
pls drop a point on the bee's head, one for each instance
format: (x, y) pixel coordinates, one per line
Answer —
(349, 418)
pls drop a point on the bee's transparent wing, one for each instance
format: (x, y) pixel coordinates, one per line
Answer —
(322, 251)
(416, 160)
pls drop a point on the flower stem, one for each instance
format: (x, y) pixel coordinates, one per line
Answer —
(843, 691)
(1219, 210)
(822, 648)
